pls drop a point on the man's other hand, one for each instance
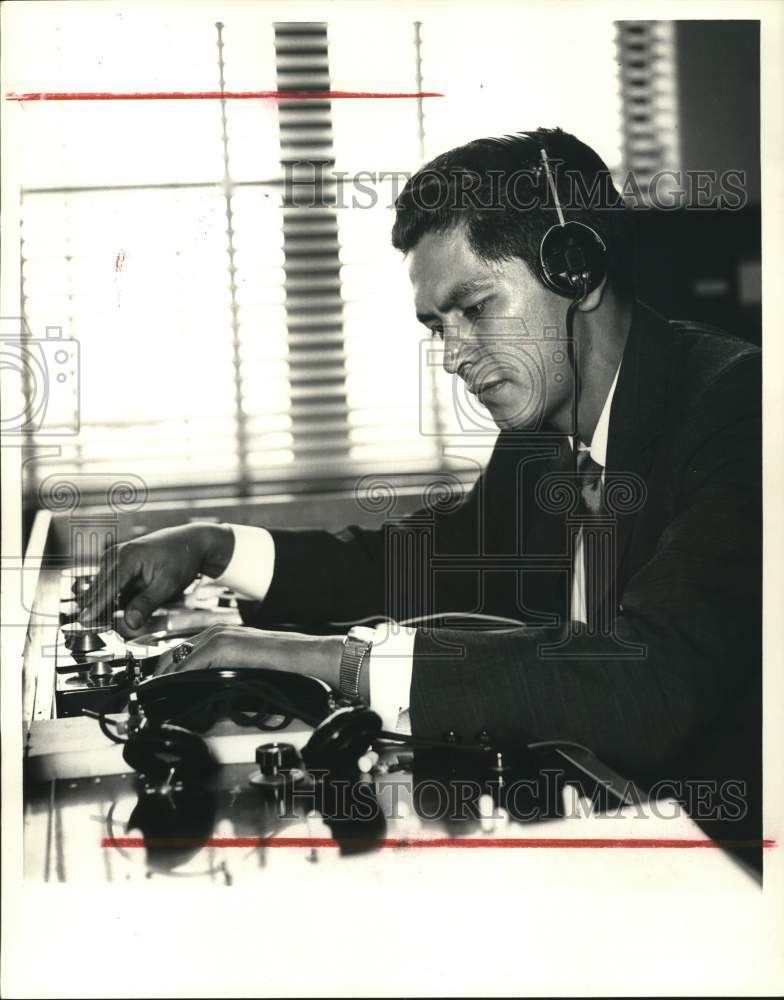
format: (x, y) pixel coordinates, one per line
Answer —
(239, 647)
(146, 572)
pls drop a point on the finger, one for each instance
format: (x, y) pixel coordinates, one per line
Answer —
(83, 584)
(114, 574)
(120, 625)
(142, 604)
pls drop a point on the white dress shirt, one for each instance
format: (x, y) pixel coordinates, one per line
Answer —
(252, 566)
(598, 452)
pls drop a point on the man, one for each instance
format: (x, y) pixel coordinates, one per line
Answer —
(642, 621)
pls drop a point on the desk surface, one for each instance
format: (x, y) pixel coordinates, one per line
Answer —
(86, 831)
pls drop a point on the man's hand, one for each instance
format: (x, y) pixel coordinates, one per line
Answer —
(146, 572)
(239, 647)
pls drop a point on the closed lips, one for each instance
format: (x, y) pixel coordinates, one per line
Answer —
(484, 386)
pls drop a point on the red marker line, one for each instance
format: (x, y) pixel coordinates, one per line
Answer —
(456, 842)
(229, 95)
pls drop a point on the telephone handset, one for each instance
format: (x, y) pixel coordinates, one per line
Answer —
(261, 697)
(249, 697)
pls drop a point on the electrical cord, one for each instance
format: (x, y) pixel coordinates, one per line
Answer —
(473, 615)
(570, 316)
(240, 718)
(103, 724)
(402, 739)
(376, 620)
(557, 744)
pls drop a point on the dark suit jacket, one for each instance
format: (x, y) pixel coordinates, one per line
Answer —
(656, 695)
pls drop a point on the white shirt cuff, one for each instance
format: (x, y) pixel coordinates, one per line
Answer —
(390, 667)
(252, 563)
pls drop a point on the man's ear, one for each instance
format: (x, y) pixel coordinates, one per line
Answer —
(594, 298)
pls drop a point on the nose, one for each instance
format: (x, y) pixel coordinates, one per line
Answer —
(458, 347)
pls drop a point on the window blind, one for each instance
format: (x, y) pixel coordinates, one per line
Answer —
(226, 338)
(314, 308)
(391, 392)
(137, 242)
(226, 266)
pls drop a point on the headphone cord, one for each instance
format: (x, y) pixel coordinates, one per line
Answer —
(573, 309)
(570, 314)
(103, 724)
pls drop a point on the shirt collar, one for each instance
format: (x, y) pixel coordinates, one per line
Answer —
(600, 435)
(598, 448)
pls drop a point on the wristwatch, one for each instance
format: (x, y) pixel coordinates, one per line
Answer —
(356, 647)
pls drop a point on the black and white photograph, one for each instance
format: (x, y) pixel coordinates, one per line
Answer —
(391, 477)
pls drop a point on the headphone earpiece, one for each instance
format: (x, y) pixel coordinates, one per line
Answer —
(338, 742)
(572, 256)
(572, 259)
(160, 750)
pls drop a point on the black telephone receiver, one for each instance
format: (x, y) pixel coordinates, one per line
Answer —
(198, 698)
(168, 712)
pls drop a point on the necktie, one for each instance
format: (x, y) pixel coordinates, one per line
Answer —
(594, 557)
(590, 474)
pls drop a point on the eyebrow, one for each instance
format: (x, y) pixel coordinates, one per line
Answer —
(456, 293)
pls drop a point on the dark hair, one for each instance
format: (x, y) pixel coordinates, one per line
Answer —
(497, 189)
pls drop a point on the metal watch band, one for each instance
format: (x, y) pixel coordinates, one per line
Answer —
(356, 646)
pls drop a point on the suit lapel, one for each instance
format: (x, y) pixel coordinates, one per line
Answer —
(639, 411)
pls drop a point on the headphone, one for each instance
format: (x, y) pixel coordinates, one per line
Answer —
(342, 737)
(572, 255)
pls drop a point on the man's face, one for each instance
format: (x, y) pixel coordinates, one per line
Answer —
(504, 333)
